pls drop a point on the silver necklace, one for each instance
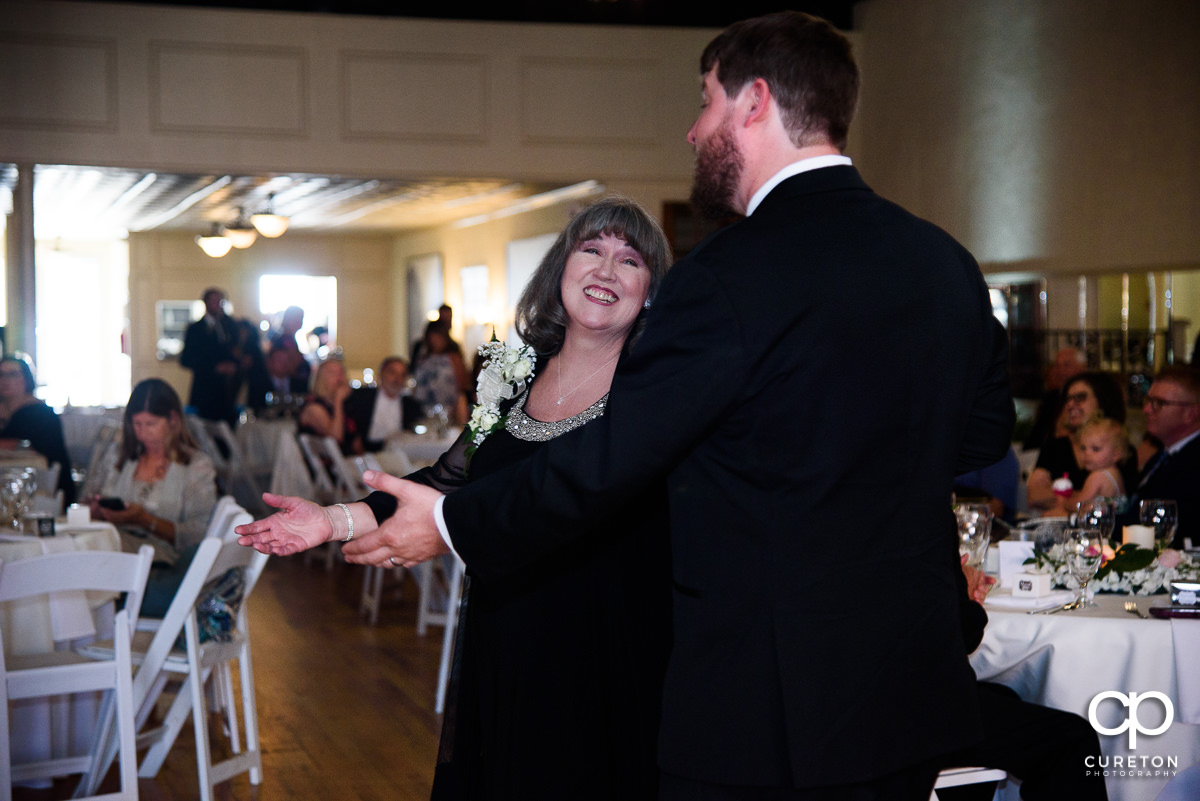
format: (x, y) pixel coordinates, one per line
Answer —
(558, 366)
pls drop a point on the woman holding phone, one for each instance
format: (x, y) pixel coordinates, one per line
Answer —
(161, 490)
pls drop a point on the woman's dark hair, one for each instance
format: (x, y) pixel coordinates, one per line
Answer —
(22, 361)
(541, 317)
(1107, 391)
(158, 398)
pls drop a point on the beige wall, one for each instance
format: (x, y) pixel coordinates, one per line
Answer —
(246, 91)
(1061, 134)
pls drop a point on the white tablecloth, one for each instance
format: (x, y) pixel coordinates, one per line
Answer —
(422, 450)
(1065, 659)
(62, 725)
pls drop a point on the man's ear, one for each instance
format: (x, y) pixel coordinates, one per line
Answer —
(758, 99)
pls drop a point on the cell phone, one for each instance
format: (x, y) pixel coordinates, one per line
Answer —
(115, 504)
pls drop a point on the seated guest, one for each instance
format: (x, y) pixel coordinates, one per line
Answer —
(1172, 410)
(323, 413)
(1041, 747)
(380, 411)
(1088, 395)
(24, 416)
(285, 337)
(161, 490)
(275, 385)
(441, 377)
(1103, 445)
(1068, 363)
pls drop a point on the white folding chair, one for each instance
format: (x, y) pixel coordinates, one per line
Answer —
(456, 581)
(349, 484)
(226, 515)
(437, 582)
(371, 598)
(324, 493)
(65, 672)
(237, 476)
(957, 777)
(160, 661)
(104, 448)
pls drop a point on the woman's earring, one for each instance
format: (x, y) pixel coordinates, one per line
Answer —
(646, 305)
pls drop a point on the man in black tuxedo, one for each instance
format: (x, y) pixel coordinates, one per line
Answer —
(375, 413)
(209, 352)
(809, 382)
(1172, 410)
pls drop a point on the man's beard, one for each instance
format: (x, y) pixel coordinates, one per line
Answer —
(718, 172)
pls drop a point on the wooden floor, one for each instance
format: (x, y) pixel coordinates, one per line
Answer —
(345, 709)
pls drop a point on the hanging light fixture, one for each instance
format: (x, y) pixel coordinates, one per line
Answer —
(268, 223)
(214, 244)
(240, 232)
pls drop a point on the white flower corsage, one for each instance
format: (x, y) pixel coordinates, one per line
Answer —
(505, 375)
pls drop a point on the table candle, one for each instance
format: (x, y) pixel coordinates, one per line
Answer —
(1142, 536)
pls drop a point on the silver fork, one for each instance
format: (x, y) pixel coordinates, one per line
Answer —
(1132, 608)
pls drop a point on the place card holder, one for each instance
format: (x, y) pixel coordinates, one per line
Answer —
(1031, 585)
(1185, 593)
(1013, 554)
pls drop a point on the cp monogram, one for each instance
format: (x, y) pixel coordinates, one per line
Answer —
(1131, 722)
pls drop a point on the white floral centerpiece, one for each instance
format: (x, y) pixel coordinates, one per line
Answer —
(506, 373)
(1126, 569)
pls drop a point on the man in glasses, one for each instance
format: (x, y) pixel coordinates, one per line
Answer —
(1172, 410)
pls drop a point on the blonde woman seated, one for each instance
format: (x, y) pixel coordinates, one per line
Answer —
(162, 490)
(323, 413)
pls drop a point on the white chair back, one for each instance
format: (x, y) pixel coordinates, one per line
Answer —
(64, 672)
(159, 659)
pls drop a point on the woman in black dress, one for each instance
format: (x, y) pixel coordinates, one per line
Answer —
(556, 688)
(25, 417)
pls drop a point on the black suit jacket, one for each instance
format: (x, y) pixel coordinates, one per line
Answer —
(213, 395)
(810, 380)
(1178, 479)
(360, 409)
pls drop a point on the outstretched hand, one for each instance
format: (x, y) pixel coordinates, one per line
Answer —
(408, 537)
(297, 526)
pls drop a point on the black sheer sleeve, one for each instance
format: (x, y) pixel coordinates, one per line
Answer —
(446, 475)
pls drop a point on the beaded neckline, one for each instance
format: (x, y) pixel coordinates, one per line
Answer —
(524, 427)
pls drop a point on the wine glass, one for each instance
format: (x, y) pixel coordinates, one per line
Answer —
(974, 531)
(1085, 551)
(1162, 516)
(1097, 513)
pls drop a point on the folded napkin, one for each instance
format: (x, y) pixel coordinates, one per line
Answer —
(1002, 599)
(70, 614)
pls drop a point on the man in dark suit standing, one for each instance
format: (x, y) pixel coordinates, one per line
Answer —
(1172, 410)
(809, 382)
(375, 413)
(209, 352)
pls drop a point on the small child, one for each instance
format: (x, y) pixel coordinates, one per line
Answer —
(1102, 443)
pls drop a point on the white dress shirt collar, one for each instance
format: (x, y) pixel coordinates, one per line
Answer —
(795, 168)
(1178, 446)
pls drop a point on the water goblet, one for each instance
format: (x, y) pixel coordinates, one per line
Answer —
(1097, 513)
(1162, 516)
(974, 531)
(1085, 551)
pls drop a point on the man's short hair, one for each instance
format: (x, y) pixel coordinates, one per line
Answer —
(1186, 377)
(808, 64)
(389, 360)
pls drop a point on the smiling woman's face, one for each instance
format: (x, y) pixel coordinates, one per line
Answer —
(604, 284)
(1080, 404)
